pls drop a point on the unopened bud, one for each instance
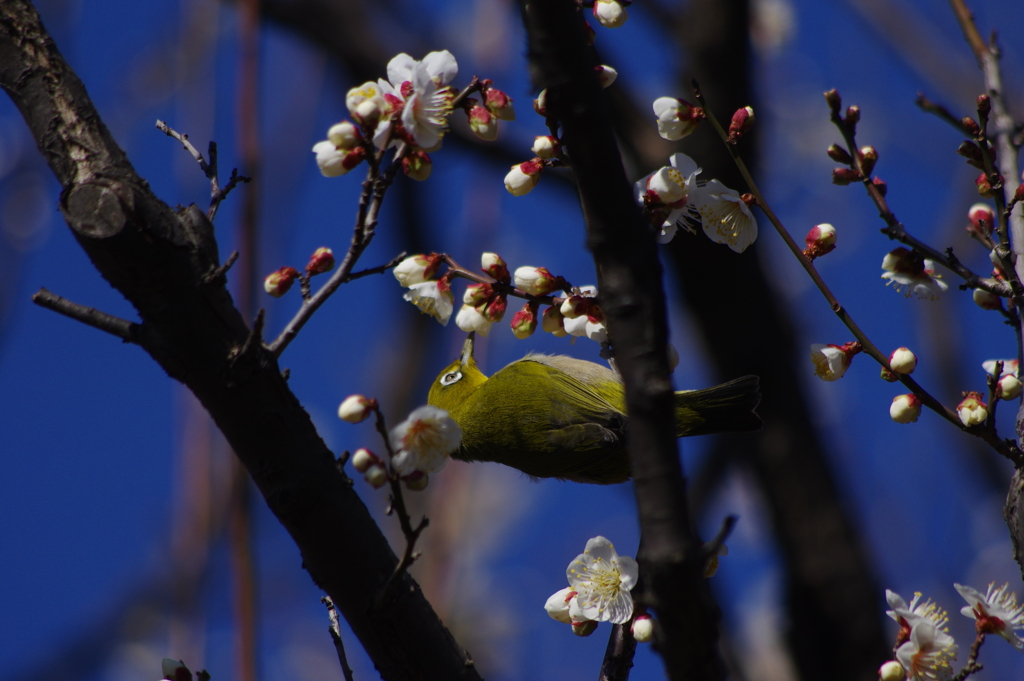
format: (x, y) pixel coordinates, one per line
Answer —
(494, 310)
(367, 113)
(537, 281)
(820, 240)
(606, 75)
(376, 475)
(483, 123)
(363, 458)
(546, 146)
(833, 100)
(1008, 387)
(984, 186)
(610, 13)
(417, 165)
(552, 321)
(524, 177)
(1018, 193)
(970, 126)
(524, 322)
(742, 120)
(417, 269)
(643, 628)
(905, 408)
(888, 376)
(477, 294)
(355, 408)
(344, 135)
(972, 152)
(540, 105)
(986, 300)
(499, 104)
(972, 410)
(584, 627)
(902, 361)
(891, 671)
(839, 155)
(321, 261)
(852, 115)
(984, 105)
(492, 265)
(880, 185)
(868, 158)
(982, 218)
(845, 176)
(277, 283)
(416, 481)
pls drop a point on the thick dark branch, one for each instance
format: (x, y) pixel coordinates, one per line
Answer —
(629, 279)
(162, 261)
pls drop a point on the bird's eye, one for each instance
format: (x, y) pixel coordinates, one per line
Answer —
(451, 377)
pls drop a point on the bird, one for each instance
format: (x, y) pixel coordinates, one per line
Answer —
(554, 416)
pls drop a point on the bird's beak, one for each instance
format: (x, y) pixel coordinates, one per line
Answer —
(467, 349)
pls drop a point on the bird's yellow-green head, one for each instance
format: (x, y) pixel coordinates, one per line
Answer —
(457, 381)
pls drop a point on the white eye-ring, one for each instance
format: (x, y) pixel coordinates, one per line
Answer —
(451, 377)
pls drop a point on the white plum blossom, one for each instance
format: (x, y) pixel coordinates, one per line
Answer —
(832, 361)
(907, 616)
(996, 612)
(421, 87)
(470, 319)
(665, 194)
(725, 216)
(928, 653)
(908, 271)
(602, 580)
(424, 441)
(676, 118)
(334, 162)
(433, 298)
(1010, 367)
(972, 410)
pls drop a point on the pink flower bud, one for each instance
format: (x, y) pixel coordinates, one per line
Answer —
(972, 152)
(1008, 387)
(852, 115)
(277, 283)
(606, 75)
(540, 105)
(902, 361)
(820, 240)
(1018, 193)
(984, 105)
(417, 269)
(742, 121)
(986, 300)
(483, 124)
(982, 218)
(494, 310)
(524, 322)
(344, 136)
(363, 459)
(417, 165)
(524, 177)
(537, 281)
(376, 475)
(833, 100)
(355, 408)
(970, 126)
(972, 410)
(321, 261)
(984, 187)
(610, 13)
(552, 322)
(499, 104)
(905, 408)
(868, 158)
(492, 265)
(643, 628)
(546, 146)
(839, 155)
(416, 481)
(845, 176)
(477, 294)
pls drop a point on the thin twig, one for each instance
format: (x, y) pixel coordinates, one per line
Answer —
(397, 506)
(942, 112)
(971, 666)
(374, 188)
(1006, 448)
(115, 326)
(221, 271)
(221, 194)
(335, 629)
(457, 270)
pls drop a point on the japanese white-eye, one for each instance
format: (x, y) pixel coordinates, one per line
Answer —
(553, 416)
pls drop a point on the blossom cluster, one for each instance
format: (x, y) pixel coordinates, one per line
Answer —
(418, 446)
(412, 107)
(924, 648)
(484, 302)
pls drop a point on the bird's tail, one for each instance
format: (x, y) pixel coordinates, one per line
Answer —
(725, 408)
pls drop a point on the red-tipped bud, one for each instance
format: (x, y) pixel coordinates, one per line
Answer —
(540, 105)
(984, 186)
(972, 410)
(868, 158)
(820, 240)
(852, 115)
(537, 281)
(984, 106)
(499, 104)
(905, 408)
(524, 177)
(643, 629)
(553, 321)
(277, 283)
(417, 165)
(972, 152)
(888, 376)
(742, 121)
(483, 123)
(971, 127)
(492, 265)
(833, 100)
(839, 155)
(363, 459)
(982, 218)
(880, 185)
(546, 146)
(494, 310)
(1018, 194)
(606, 75)
(1008, 387)
(321, 261)
(986, 300)
(417, 269)
(524, 322)
(477, 294)
(356, 408)
(903, 361)
(845, 176)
